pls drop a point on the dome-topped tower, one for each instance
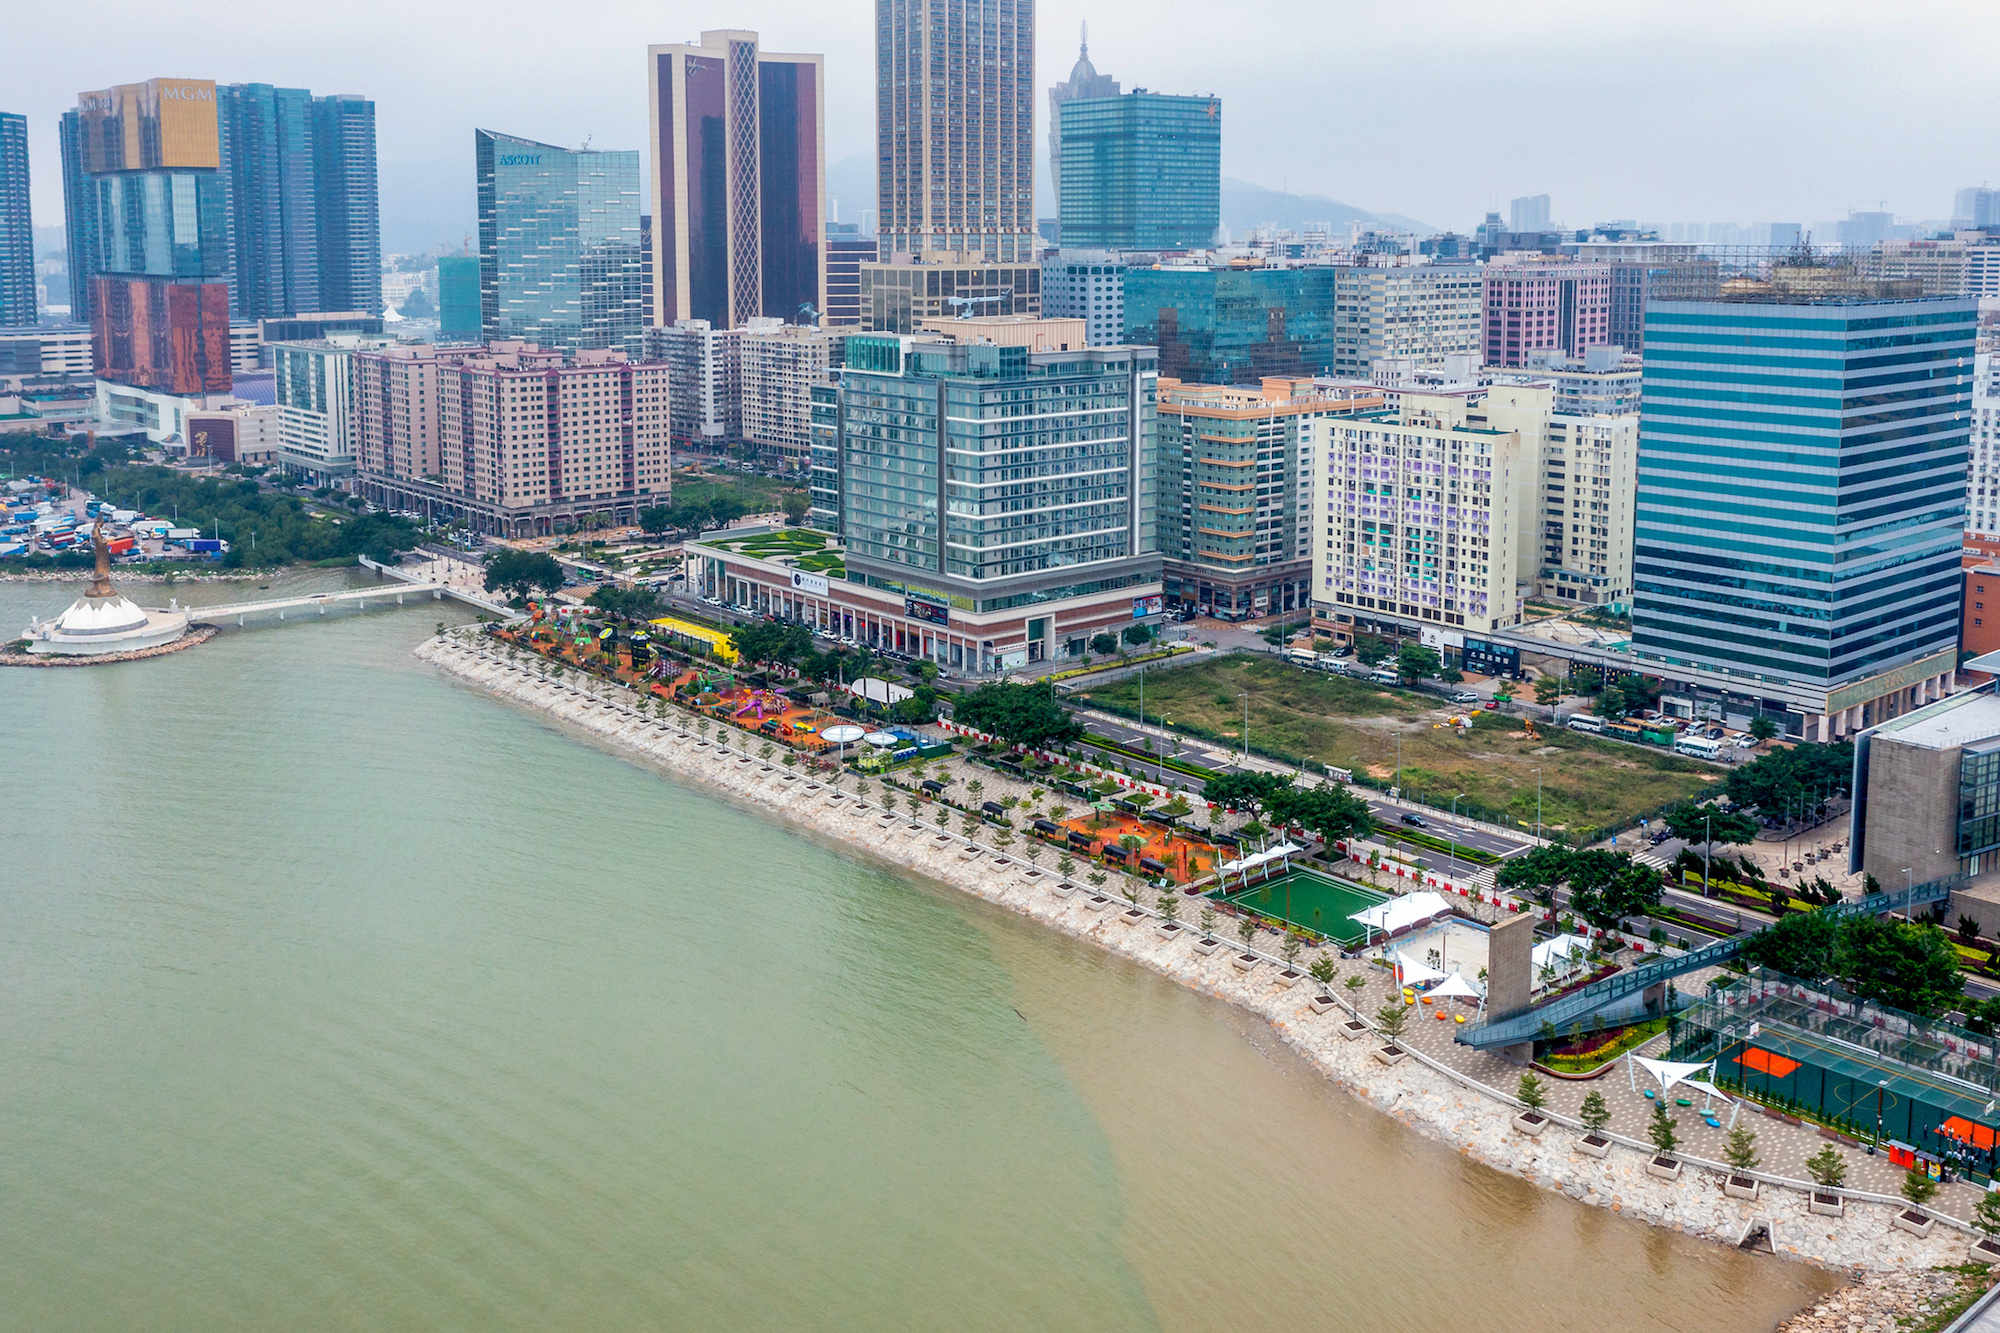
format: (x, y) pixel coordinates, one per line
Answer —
(1084, 81)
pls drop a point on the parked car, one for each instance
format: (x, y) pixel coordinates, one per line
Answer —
(1464, 697)
(1746, 742)
(1415, 821)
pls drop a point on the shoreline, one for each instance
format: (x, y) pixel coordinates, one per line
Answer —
(1446, 1107)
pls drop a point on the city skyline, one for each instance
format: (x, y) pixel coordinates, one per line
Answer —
(1691, 144)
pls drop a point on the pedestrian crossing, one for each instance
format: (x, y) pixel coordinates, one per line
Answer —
(1653, 859)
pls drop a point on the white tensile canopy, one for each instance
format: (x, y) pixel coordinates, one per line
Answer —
(1414, 973)
(1457, 985)
(1399, 913)
(1251, 862)
(1561, 952)
(877, 690)
(1670, 1072)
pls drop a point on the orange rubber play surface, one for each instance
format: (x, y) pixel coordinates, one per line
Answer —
(1185, 857)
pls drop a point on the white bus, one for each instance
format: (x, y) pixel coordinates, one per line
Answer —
(1701, 747)
(1585, 722)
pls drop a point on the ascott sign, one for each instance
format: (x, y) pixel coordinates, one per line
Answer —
(815, 584)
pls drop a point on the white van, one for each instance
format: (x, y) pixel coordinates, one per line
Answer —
(1585, 722)
(1701, 747)
(1384, 676)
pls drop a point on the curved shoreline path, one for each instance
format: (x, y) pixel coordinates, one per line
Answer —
(1424, 1097)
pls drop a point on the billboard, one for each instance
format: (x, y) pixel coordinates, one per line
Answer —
(916, 610)
(1148, 606)
(815, 584)
(1486, 658)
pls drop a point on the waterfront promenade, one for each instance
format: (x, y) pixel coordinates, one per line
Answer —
(1447, 1103)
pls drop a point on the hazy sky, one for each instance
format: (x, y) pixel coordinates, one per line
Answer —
(1692, 110)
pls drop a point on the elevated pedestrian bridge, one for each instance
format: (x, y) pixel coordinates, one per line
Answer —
(394, 594)
(1559, 1013)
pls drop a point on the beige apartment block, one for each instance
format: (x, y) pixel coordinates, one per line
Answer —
(779, 364)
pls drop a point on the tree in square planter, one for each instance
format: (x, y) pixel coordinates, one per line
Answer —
(1169, 904)
(1325, 971)
(1741, 1154)
(1662, 1131)
(1391, 1018)
(1918, 1188)
(1986, 1218)
(1247, 930)
(1595, 1115)
(1532, 1099)
(1829, 1171)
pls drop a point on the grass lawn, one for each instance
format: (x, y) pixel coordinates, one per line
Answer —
(760, 493)
(1587, 782)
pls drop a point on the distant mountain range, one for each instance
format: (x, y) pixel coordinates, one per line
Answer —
(1245, 206)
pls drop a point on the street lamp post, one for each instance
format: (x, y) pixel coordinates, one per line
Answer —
(1538, 805)
(1454, 831)
(1246, 728)
(1707, 848)
(1909, 891)
(1881, 1086)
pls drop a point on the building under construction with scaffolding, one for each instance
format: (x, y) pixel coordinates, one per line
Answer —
(1926, 1088)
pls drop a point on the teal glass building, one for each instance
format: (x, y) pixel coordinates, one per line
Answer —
(17, 236)
(1233, 326)
(1141, 172)
(561, 262)
(995, 476)
(1801, 501)
(458, 298)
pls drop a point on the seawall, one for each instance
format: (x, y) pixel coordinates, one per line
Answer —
(1429, 1099)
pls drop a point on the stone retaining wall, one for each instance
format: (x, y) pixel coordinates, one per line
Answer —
(1431, 1100)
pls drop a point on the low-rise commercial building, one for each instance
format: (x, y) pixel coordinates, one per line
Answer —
(244, 433)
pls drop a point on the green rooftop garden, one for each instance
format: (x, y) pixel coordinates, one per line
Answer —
(802, 548)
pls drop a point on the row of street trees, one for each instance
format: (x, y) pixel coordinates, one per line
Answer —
(1604, 886)
(1328, 809)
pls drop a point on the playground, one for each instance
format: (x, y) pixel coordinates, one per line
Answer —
(769, 711)
(1185, 858)
(1315, 902)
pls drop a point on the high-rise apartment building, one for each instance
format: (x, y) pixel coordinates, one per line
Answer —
(147, 210)
(1234, 325)
(846, 251)
(705, 372)
(1429, 512)
(1142, 172)
(1975, 206)
(1235, 511)
(1967, 264)
(561, 264)
(511, 438)
(1529, 213)
(898, 296)
(1083, 81)
(954, 125)
(349, 203)
(1643, 271)
(1797, 555)
(17, 232)
(1535, 304)
(1090, 286)
(1588, 477)
(779, 366)
(314, 381)
(1982, 483)
(739, 181)
(1419, 313)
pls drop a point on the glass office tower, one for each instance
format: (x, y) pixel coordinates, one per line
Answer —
(560, 258)
(739, 182)
(1233, 326)
(458, 298)
(304, 227)
(17, 235)
(1049, 488)
(1801, 498)
(1141, 172)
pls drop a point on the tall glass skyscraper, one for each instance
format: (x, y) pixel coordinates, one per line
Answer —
(1233, 326)
(304, 230)
(1801, 501)
(739, 182)
(955, 126)
(17, 234)
(149, 256)
(458, 297)
(1141, 172)
(560, 258)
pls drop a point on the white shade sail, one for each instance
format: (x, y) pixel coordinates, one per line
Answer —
(1670, 1072)
(1251, 862)
(1399, 913)
(1414, 973)
(1456, 984)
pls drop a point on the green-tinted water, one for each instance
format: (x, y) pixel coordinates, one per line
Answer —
(334, 995)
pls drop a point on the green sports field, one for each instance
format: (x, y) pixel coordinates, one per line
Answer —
(1316, 902)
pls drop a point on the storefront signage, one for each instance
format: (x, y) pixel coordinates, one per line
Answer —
(1486, 658)
(916, 610)
(815, 584)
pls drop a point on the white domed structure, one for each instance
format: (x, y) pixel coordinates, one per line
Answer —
(103, 620)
